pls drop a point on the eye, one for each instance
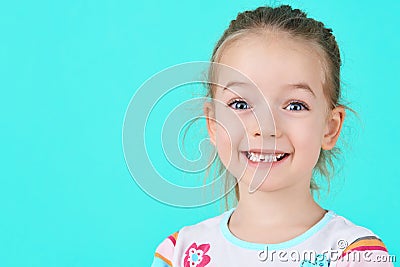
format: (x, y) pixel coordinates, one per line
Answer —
(239, 104)
(297, 106)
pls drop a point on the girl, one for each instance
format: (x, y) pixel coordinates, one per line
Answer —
(293, 63)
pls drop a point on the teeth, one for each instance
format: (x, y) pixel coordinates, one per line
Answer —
(264, 157)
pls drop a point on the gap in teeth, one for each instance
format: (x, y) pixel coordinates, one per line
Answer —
(256, 157)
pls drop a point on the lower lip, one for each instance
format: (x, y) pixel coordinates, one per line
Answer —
(263, 164)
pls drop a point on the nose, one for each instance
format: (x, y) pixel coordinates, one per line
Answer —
(264, 124)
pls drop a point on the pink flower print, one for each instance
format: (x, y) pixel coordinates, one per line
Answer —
(195, 256)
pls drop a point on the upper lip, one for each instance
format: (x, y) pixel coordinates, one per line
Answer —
(266, 151)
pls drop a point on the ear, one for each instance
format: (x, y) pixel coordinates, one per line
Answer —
(209, 113)
(333, 127)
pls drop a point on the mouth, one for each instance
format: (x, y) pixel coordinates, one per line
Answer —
(265, 157)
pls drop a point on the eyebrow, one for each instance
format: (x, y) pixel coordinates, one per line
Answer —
(234, 83)
(299, 86)
(302, 86)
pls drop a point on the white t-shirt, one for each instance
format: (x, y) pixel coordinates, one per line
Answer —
(333, 241)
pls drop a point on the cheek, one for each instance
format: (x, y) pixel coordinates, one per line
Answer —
(307, 140)
(307, 132)
(224, 145)
(228, 148)
(229, 134)
(230, 127)
(223, 137)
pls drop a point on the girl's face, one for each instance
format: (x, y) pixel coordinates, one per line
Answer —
(285, 109)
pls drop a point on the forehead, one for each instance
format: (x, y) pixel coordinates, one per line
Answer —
(273, 60)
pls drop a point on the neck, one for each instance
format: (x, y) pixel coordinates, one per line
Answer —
(275, 207)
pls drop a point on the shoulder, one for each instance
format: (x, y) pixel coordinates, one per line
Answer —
(208, 226)
(345, 229)
(365, 251)
(358, 245)
(165, 251)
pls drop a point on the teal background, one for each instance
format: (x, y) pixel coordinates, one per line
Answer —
(68, 71)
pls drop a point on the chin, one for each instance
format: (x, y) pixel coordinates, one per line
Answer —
(267, 186)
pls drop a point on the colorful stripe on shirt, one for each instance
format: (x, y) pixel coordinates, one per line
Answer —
(365, 243)
(165, 251)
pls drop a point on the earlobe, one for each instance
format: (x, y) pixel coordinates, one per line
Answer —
(210, 120)
(333, 127)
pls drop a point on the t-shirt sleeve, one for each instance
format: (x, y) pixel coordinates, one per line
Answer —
(368, 251)
(165, 251)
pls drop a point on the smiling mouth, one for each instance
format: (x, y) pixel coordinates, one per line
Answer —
(260, 157)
